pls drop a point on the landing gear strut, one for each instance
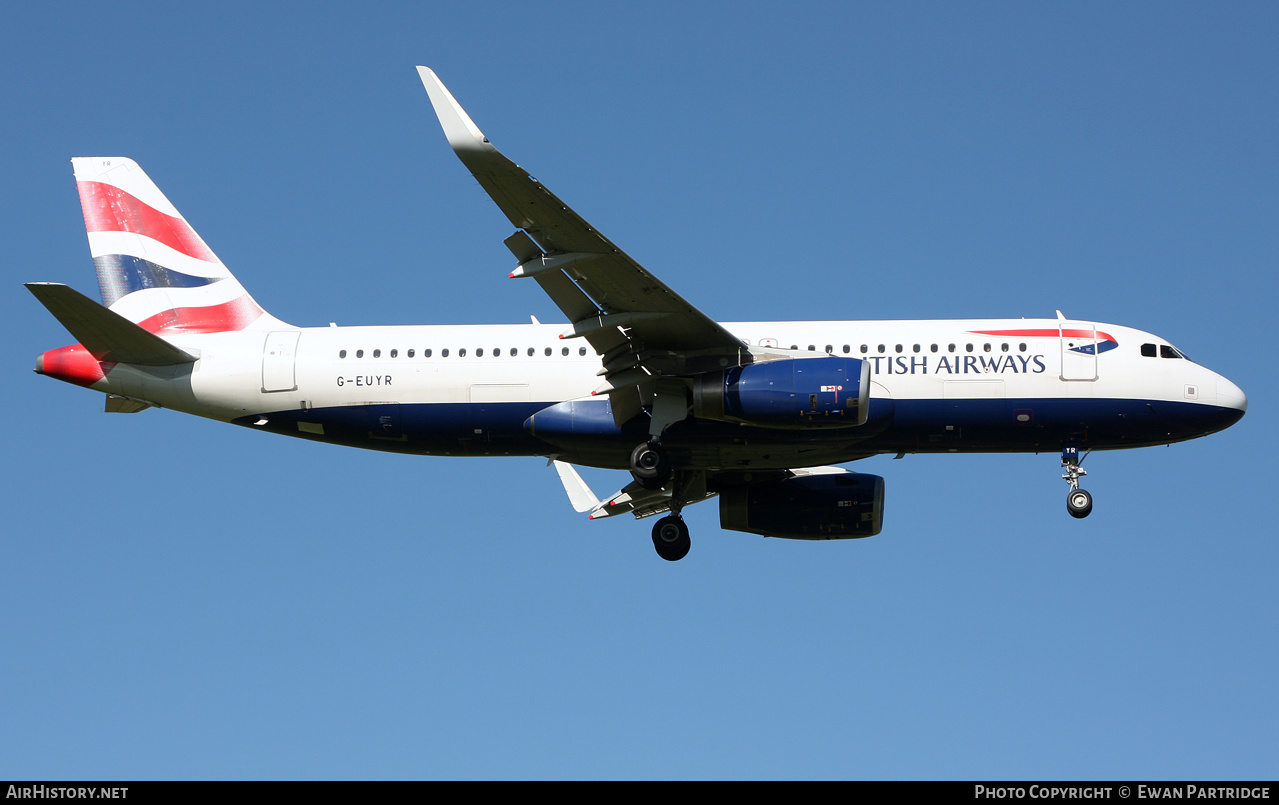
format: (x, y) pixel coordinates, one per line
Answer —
(1078, 501)
(651, 467)
(670, 534)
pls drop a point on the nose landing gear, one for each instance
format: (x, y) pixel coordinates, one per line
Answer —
(1078, 501)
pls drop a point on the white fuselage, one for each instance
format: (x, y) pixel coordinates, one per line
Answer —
(986, 374)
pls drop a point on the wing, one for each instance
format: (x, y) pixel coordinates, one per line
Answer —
(693, 487)
(642, 328)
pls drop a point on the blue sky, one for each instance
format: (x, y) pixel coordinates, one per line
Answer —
(184, 599)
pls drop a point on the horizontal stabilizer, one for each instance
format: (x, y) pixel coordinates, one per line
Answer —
(107, 335)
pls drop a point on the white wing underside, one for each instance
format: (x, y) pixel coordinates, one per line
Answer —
(635, 499)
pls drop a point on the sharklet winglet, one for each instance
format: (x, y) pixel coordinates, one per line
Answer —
(579, 494)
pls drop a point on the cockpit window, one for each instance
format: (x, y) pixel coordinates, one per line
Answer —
(1166, 351)
(1147, 350)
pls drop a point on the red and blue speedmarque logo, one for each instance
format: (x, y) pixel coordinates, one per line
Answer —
(1093, 342)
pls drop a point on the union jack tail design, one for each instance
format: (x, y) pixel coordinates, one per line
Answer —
(153, 269)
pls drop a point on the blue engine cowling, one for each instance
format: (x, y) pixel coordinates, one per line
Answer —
(845, 505)
(790, 393)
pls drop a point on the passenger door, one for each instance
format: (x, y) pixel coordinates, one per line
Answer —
(1078, 350)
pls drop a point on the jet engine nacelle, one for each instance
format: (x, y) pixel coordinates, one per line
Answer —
(845, 505)
(792, 393)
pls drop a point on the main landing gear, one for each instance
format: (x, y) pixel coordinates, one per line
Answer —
(650, 465)
(1078, 501)
(670, 538)
(651, 468)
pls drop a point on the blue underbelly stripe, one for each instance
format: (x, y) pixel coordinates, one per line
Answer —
(1003, 425)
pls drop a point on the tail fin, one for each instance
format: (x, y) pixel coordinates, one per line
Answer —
(153, 269)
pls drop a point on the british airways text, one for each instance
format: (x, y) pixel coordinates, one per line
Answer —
(956, 364)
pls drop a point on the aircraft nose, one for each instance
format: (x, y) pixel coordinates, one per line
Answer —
(1230, 395)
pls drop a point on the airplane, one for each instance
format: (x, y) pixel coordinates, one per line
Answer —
(756, 413)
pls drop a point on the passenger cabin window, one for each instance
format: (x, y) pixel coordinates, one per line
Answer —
(426, 353)
(359, 353)
(342, 354)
